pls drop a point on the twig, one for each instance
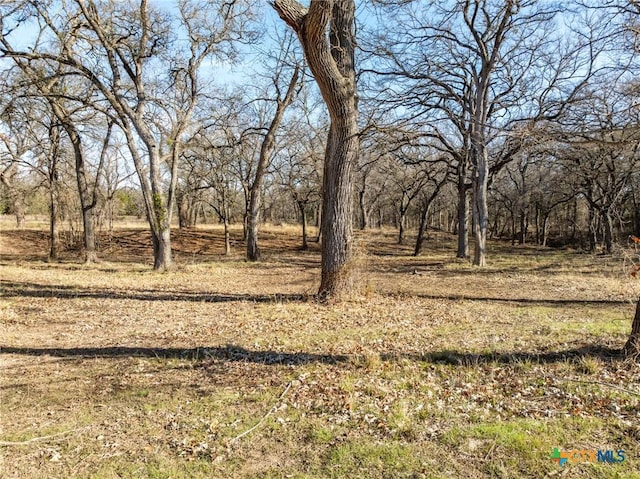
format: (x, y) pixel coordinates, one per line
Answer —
(41, 438)
(488, 454)
(264, 418)
(601, 383)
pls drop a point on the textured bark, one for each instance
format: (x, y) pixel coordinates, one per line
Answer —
(364, 213)
(608, 231)
(227, 237)
(303, 219)
(402, 222)
(266, 150)
(161, 250)
(54, 235)
(88, 200)
(480, 210)
(422, 228)
(331, 61)
(632, 348)
(463, 217)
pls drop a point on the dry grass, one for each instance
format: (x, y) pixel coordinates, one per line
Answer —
(435, 369)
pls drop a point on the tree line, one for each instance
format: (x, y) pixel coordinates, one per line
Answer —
(511, 119)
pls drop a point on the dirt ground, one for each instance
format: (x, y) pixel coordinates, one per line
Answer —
(224, 368)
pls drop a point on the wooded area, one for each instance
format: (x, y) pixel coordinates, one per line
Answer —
(514, 120)
(401, 238)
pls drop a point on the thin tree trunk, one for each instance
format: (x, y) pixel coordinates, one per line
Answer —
(545, 230)
(266, 149)
(364, 214)
(54, 236)
(632, 347)
(524, 226)
(422, 228)
(303, 218)
(593, 229)
(227, 238)
(319, 224)
(608, 232)
(402, 220)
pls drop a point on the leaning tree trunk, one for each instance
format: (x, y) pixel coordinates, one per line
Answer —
(326, 30)
(87, 202)
(266, 149)
(632, 348)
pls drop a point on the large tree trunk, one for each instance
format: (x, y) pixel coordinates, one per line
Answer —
(161, 249)
(337, 234)
(463, 217)
(480, 210)
(266, 149)
(632, 348)
(327, 33)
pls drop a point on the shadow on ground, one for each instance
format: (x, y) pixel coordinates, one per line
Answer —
(233, 353)
(36, 290)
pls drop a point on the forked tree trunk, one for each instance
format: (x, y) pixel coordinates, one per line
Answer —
(632, 348)
(87, 201)
(326, 30)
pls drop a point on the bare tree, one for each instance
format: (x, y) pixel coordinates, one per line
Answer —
(282, 101)
(127, 42)
(326, 30)
(466, 73)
